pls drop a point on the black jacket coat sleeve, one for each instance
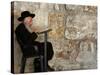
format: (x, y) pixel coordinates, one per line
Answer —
(24, 35)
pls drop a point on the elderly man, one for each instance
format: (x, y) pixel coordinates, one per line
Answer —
(28, 37)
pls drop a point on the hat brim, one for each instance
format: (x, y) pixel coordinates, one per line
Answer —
(22, 18)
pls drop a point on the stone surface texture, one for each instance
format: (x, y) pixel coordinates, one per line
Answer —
(73, 35)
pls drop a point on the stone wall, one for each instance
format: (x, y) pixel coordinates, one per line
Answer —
(73, 35)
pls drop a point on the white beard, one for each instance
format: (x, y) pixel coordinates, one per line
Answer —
(28, 28)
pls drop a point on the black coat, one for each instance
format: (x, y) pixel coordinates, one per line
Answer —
(28, 39)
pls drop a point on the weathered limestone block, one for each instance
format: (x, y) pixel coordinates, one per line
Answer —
(60, 7)
(87, 53)
(76, 27)
(17, 56)
(56, 23)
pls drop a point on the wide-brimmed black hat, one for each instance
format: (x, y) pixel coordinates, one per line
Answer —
(25, 14)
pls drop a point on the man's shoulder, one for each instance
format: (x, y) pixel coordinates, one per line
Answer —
(20, 26)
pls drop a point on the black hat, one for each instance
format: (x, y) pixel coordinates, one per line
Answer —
(25, 14)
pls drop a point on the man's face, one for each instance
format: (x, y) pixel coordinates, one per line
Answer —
(28, 21)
